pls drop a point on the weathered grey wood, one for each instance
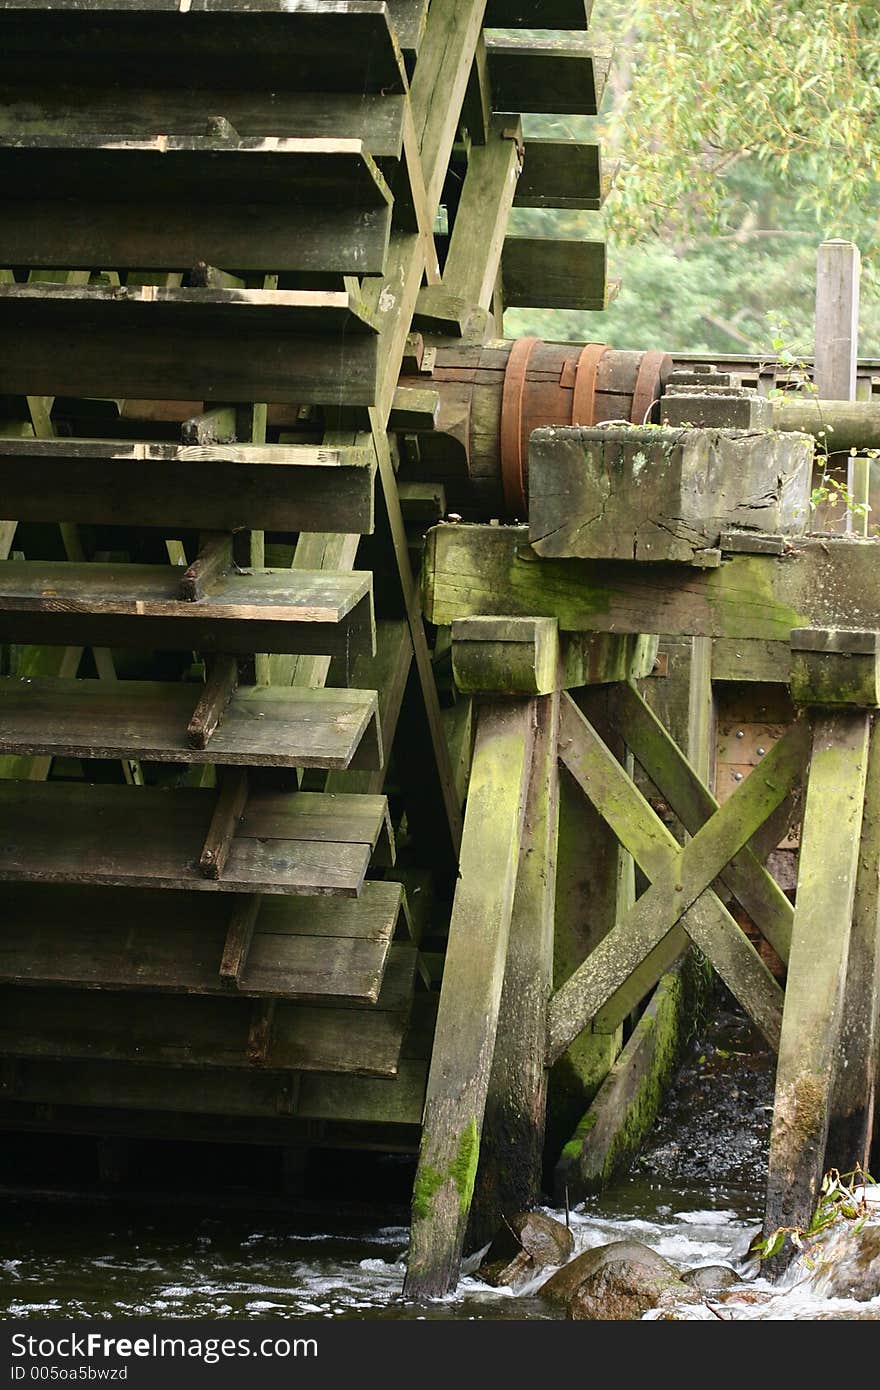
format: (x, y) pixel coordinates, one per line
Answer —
(218, 1091)
(566, 76)
(565, 271)
(226, 344)
(213, 1032)
(470, 997)
(214, 562)
(108, 938)
(239, 935)
(228, 811)
(680, 876)
(139, 605)
(560, 174)
(347, 46)
(220, 685)
(855, 1078)
(750, 660)
(506, 656)
(509, 1176)
(143, 837)
(303, 206)
(470, 570)
(477, 241)
(817, 967)
(838, 270)
(440, 82)
(689, 797)
(842, 425)
(620, 493)
(256, 726)
(208, 486)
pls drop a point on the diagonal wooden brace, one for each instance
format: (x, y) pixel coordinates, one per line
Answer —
(681, 878)
(664, 762)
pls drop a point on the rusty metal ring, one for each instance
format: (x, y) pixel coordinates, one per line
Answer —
(512, 444)
(583, 399)
(654, 368)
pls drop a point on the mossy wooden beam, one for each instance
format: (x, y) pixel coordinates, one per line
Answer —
(855, 1079)
(511, 1149)
(688, 796)
(492, 569)
(833, 667)
(817, 965)
(477, 242)
(680, 877)
(505, 656)
(471, 996)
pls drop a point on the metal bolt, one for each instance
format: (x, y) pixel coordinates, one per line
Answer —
(737, 777)
(740, 733)
(761, 752)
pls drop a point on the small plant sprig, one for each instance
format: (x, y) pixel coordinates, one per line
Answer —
(841, 1198)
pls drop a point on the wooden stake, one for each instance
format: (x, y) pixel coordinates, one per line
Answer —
(816, 967)
(473, 975)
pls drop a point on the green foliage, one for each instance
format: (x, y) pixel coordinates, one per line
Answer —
(743, 135)
(841, 1199)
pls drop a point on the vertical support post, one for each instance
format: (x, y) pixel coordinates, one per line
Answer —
(853, 1100)
(467, 1018)
(817, 966)
(838, 272)
(511, 1152)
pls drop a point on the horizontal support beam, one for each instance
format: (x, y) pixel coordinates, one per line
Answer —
(820, 582)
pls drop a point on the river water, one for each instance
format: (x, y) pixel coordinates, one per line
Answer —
(694, 1196)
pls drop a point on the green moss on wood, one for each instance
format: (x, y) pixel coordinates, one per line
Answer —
(461, 1172)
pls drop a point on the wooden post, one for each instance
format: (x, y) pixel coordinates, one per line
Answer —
(817, 967)
(838, 268)
(470, 998)
(838, 271)
(511, 1152)
(853, 1098)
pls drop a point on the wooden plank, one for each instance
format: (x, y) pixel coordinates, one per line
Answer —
(221, 683)
(565, 76)
(745, 660)
(151, 837)
(159, 942)
(144, 112)
(481, 220)
(471, 570)
(213, 1032)
(226, 1092)
(539, 14)
(559, 272)
(470, 997)
(851, 1125)
(440, 82)
(262, 726)
(323, 205)
(689, 797)
(827, 874)
(138, 605)
(560, 174)
(509, 1176)
(228, 811)
(279, 46)
(207, 486)
(327, 355)
(680, 876)
(838, 271)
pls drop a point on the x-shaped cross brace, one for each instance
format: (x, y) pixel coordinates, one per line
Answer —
(681, 879)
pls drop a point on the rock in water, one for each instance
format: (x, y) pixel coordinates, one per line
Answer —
(617, 1282)
(848, 1262)
(711, 1278)
(526, 1244)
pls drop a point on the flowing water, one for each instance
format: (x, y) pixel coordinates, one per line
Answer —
(694, 1196)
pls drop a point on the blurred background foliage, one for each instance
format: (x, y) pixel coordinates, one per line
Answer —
(741, 136)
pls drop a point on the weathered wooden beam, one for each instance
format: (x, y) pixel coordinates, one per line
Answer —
(560, 174)
(841, 425)
(242, 921)
(562, 271)
(440, 82)
(835, 667)
(234, 791)
(470, 997)
(855, 1075)
(214, 561)
(506, 656)
(220, 687)
(680, 877)
(511, 1149)
(565, 74)
(838, 269)
(469, 570)
(817, 967)
(477, 241)
(688, 796)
